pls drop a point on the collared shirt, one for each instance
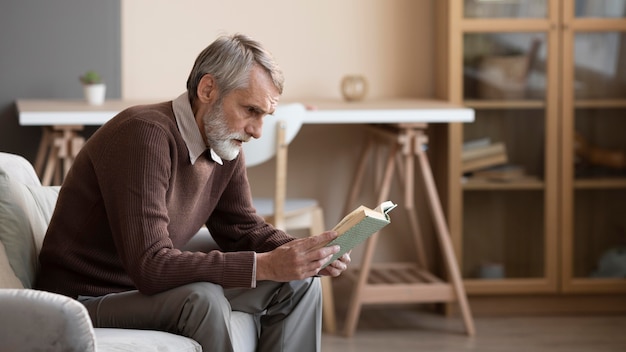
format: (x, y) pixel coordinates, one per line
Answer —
(186, 122)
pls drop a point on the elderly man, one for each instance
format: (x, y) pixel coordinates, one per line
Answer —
(147, 181)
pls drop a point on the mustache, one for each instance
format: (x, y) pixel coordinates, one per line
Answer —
(242, 137)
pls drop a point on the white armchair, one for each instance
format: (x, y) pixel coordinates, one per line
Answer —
(33, 320)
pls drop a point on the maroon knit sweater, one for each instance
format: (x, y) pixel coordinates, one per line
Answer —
(133, 197)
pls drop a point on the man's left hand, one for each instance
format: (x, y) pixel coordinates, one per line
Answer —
(337, 267)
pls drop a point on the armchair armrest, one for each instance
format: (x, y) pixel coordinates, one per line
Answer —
(33, 320)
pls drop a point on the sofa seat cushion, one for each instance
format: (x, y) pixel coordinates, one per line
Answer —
(243, 328)
(113, 340)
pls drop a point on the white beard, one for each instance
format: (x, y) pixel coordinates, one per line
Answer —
(221, 140)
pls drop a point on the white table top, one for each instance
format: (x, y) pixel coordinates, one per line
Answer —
(78, 112)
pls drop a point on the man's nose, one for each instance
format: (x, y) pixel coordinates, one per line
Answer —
(255, 128)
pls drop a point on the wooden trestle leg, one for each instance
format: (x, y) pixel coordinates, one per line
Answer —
(406, 282)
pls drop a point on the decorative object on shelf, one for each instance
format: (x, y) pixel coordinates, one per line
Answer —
(506, 76)
(503, 77)
(612, 264)
(491, 271)
(354, 87)
(611, 158)
(94, 88)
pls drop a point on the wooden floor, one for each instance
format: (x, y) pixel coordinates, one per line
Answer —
(401, 329)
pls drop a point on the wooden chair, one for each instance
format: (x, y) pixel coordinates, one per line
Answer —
(288, 214)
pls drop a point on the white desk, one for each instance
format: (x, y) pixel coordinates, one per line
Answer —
(70, 112)
(62, 121)
(400, 283)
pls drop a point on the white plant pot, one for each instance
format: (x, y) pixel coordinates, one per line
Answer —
(95, 93)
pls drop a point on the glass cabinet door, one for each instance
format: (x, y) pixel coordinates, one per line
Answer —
(595, 119)
(509, 177)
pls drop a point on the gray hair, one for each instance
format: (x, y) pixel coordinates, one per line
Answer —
(229, 60)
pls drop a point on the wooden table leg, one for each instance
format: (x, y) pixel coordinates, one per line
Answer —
(443, 233)
(45, 146)
(356, 303)
(59, 145)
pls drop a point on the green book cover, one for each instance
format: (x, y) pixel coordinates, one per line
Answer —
(358, 226)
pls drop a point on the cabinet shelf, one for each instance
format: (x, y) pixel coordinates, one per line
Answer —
(600, 103)
(485, 185)
(598, 285)
(540, 104)
(600, 183)
(505, 104)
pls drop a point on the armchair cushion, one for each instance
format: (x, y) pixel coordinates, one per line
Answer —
(25, 211)
(19, 168)
(7, 276)
(32, 319)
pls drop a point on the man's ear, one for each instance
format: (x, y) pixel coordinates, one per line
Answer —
(207, 89)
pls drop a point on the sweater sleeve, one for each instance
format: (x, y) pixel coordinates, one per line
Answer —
(138, 165)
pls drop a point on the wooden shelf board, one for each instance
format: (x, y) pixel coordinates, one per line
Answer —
(504, 104)
(600, 103)
(600, 183)
(595, 285)
(402, 283)
(408, 293)
(486, 185)
(508, 286)
(540, 104)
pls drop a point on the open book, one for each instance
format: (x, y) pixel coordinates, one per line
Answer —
(358, 226)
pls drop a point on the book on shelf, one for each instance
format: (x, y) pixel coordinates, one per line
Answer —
(482, 151)
(359, 225)
(476, 143)
(481, 154)
(504, 172)
(484, 162)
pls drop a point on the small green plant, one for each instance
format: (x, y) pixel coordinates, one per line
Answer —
(91, 77)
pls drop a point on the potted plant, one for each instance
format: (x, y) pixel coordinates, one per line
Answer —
(94, 88)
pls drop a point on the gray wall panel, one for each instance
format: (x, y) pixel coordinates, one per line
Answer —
(44, 47)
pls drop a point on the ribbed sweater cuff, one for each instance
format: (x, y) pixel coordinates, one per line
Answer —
(240, 269)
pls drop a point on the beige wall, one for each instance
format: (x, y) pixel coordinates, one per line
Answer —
(316, 42)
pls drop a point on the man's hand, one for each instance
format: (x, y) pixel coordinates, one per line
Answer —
(298, 259)
(337, 267)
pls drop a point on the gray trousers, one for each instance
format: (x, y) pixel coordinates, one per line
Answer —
(290, 321)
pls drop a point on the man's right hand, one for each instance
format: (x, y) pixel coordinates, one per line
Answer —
(296, 260)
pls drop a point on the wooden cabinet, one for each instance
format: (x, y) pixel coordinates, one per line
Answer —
(547, 79)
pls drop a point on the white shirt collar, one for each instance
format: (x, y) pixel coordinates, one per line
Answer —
(216, 157)
(186, 122)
